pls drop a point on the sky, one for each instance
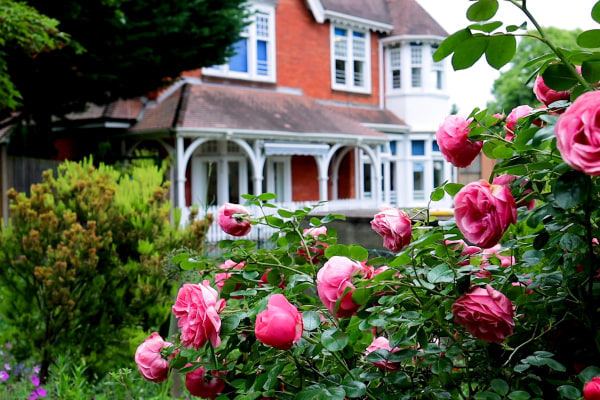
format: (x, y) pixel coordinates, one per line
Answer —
(471, 88)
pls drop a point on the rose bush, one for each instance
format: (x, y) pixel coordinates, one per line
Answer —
(501, 301)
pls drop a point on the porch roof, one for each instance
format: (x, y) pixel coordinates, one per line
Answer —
(210, 107)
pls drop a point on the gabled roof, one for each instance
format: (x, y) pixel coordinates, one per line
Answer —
(395, 17)
(224, 107)
(410, 19)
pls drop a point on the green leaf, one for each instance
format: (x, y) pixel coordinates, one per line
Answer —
(453, 188)
(502, 152)
(441, 273)
(437, 194)
(358, 253)
(311, 320)
(469, 51)
(500, 50)
(267, 196)
(487, 396)
(572, 189)
(449, 44)
(482, 10)
(334, 340)
(320, 392)
(353, 388)
(442, 364)
(361, 296)
(337, 250)
(500, 386)
(596, 12)
(591, 70)
(488, 28)
(519, 395)
(570, 392)
(587, 374)
(273, 376)
(558, 76)
(230, 323)
(285, 213)
(589, 39)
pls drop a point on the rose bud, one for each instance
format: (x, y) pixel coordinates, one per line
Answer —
(149, 359)
(234, 219)
(280, 325)
(394, 226)
(453, 140)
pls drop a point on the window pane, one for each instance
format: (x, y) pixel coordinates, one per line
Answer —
(358, 73)
(417, 147)
(416, 77)
(239, 62)
(438, 173)
(262, 26)
(393, 147)
(340, 71)
(419, 181)
(367, 178)
(434, 146)
(262, 63)
(396, 79)
(358, 47)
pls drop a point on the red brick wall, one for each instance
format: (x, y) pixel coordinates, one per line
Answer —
(305, 179)
(303, 55)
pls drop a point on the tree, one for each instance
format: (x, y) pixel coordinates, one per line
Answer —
(120, 49)
(23, 30)
(514, 86)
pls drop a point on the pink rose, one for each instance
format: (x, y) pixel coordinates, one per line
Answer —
(197, 310)
(221, 277)
(578, 134)
(486, 313)
(483, 212)
(316, 248)
(198, 384)
(513, 118)
(394, 226)
(149, 359)
(280, 325)
(546, 95)
(507, 180)
(453, 139)
(591, 390)
(234, 219)
(381, 343)
(333, 279)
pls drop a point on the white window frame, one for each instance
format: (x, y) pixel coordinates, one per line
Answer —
(394, 63)
(416, 64)
(438, 78)
(349, 59)
(251, 34)
(285, 175)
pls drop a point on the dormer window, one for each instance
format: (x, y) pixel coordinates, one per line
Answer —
(254, 57)
(351, 60)
(437, 71)
(396, 67)
(410, 68)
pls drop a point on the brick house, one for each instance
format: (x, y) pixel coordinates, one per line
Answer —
(335, 100)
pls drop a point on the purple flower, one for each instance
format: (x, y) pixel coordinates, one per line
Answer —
(4, 376)
(36, 369)
(38, 392)
(7, 366)
(35, 380)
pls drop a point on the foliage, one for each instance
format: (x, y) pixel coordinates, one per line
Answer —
(81, 261)
(120, 49)
(19, 379)
(535, 335)
(23, 30)
(514, 85)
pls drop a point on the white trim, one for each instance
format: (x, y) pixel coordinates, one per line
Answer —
(295, 149)
(285, 175)
(400, 39)
(317, 137)
(317, 10)
(357, 22)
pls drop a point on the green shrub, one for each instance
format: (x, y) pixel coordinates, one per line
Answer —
(81, 262)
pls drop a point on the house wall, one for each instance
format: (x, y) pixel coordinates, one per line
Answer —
(346, 180)
(305, 183)
(303, 55)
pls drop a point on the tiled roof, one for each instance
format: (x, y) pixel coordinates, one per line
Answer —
(368, 115)
(409, 18)
(373, 10)
(119, 109)
(230, 107)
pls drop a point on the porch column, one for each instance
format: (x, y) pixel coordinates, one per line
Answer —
(180, 181)
(323, 168)
(258, 166)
